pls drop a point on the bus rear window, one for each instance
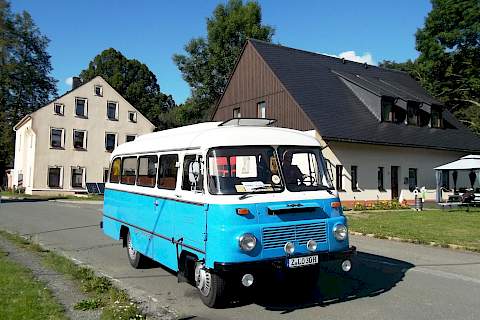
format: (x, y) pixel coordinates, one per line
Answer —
(115, 171)
(129, 170)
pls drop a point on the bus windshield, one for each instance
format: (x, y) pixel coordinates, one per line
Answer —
(304, 169)
(242, 170)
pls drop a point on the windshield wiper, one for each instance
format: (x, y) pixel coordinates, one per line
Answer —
(244, 196)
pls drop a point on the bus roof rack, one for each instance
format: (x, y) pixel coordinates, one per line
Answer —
(255, 122)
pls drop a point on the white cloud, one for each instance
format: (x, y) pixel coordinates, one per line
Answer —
(352, 56)
(69, 81)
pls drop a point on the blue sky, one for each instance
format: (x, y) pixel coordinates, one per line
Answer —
(152, 31)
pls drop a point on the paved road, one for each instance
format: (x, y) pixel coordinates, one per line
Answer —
(391, 280)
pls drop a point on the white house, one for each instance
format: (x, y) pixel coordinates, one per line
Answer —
(67, 143)
(382, 133)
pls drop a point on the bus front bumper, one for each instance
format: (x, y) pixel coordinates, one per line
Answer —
(281, 262)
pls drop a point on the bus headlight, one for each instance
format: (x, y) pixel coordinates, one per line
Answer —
(312, 245)
(289, 248)
(247, 242)
(340, 232)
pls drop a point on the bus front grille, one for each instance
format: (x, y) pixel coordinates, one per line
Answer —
(276, 237)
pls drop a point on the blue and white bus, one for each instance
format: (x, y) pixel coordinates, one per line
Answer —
(221, 202)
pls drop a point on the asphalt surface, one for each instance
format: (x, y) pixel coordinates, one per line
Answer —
(390, 280)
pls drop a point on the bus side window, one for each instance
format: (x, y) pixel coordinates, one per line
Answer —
(167, 171)
(115, 171)
(188, 174)
(147, 171)
(129, 170)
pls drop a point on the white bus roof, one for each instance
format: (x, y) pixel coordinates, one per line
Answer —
(213, 134)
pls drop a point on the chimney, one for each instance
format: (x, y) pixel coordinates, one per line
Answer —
(76, 82)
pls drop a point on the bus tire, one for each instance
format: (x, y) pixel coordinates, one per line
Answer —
(136, 259)
(211, 287)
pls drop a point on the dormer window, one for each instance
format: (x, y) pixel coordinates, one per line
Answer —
(413, 113)
(436, 117)
(387, 110)
(391, 112)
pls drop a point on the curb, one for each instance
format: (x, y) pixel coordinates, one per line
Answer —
(431, 243)
(77, 201)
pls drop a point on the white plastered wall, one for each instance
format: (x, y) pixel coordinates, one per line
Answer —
(368, 158)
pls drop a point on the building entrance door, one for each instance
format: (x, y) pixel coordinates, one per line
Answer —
(394, 182)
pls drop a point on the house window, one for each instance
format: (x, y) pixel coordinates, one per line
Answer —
(58, 109)
(98, 90)
(412, 178)
(436, 117)
(129, 170)
(129, 138)
(110, 141)
(262, 112)
(147, 171)
(81, 107)
(446, 179)
(77, 177)
(237, 113)
(56, 138)
(339, 177)
(413, 113)
(105, 175)
(115, 171)
(112, 110)
(54, 177)
(167, 173)
(132, 116)
(353, 173)
(80, 139)
(380, 184)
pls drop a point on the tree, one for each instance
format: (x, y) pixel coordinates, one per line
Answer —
(209, 61)
(409, 66)
(25, 81)
(449, 46)
(133, 80)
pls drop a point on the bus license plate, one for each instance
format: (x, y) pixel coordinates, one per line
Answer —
(302, 261)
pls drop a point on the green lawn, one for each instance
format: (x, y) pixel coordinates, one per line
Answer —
(22, 297)
(457, 227)
(89, 197)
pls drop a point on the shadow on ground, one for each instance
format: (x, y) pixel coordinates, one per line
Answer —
(370, 276)
(13, 200)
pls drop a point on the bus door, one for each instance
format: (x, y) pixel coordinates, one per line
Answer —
(191, 215)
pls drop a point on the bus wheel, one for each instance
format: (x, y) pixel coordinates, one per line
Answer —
(211, 286)
(136, 259)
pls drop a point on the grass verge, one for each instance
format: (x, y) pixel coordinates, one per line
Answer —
(15, 195)
(23, 297)
(444, 228)
(115, 303)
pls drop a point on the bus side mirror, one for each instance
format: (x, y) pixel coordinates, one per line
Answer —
(194, 172)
